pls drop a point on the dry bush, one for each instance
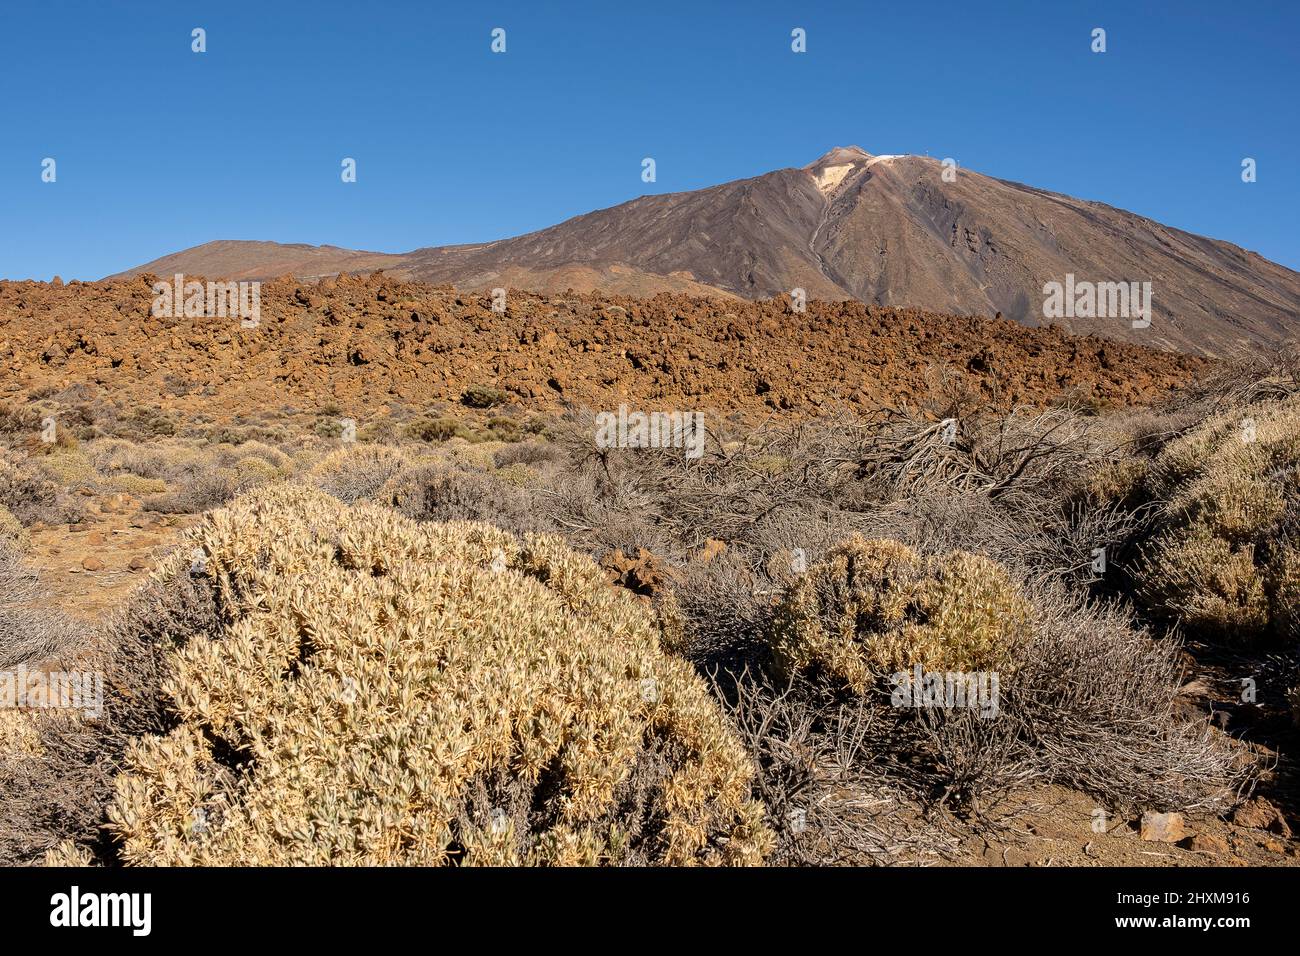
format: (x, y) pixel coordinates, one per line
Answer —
(238, 434)
(772, 492)
(18, 423)
(1009, 487)
(169, 460)
(135, 485)
(56, 793)
(1016, 472)
(30, 631)
(872, 608)
(29, 493)
(195, 492)
(828, 803)
(431, 429)
(387, 692)
(33, 635)
(1114, 480)
(142, 423)
(483, 396)
(1058, 540)
(479, 454)
(536, 454)
(448, 492)
(170, 476)
(158, 460)
(12, 533)
(1248, 375)
(1082, 697)
(737, 492)
(1097, 698)
(356, 472)
(233, 455)
(1224, 561)
(183, 476)
(70, 468)
(1011, 457)
(725, 609)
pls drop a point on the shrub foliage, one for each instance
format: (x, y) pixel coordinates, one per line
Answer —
(1225, 562)
(872, 608)
(387, 692)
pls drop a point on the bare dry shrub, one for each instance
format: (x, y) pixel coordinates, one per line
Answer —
(197, 477)
(18, 423)
(537, 454)
(185, 476)
(1247, 375)
(112, 456)
(1012, 486)
(1086, 699)
(31, 632)
(1013, 456)
(828, 801)
(232, 455)
(1096, 698)
(59, 792)
(30, 494)
(12, 532)
(1007, 487)
(1059, 539)
(356, 472)
(141, 423)
(197, 492)
(446, 492)
(736, 492)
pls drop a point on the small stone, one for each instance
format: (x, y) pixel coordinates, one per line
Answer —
(1162, 827)
(1260, 814)
(1196, 688)
(92, 564)
(138, 563)
(1206, 843)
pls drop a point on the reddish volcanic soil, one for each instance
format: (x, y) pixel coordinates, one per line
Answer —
(363, 342)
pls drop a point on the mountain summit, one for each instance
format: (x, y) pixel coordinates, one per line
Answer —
(887, 229)
(840, 155)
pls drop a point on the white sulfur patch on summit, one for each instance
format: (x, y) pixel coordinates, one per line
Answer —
(830, 170)
(828, 177)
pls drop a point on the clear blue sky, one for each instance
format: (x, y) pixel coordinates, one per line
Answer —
(159, 148)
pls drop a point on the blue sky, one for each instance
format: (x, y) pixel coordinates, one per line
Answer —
(159, 148)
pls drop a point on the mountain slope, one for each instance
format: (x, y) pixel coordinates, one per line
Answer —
(887, 230)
